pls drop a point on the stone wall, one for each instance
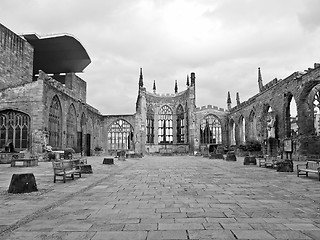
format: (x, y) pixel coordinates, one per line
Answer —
(16, 63)
(276, 95)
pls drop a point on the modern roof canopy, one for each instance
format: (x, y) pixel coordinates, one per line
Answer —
(58, 54)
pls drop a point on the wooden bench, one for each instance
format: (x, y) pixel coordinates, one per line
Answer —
(309, 167)
(65, 168)
(24, 162)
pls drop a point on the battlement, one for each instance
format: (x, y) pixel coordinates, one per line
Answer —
(210, 107)
(167, 94)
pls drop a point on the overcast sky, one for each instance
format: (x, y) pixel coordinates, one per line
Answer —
(222, 41)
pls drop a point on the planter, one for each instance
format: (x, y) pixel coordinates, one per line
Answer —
(249, 160)
(230, 156)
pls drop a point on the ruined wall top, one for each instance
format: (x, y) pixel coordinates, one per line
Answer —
(16, 59)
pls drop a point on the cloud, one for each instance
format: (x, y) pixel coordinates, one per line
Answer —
(222, 41)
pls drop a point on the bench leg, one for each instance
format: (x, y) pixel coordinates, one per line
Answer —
(72, 176)
(54, 178)
(64, 178)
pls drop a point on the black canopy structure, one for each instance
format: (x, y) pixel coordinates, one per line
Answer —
(58, 54)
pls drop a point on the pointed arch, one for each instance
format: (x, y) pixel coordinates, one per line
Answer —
(55, 123)
(180, 124)
(165, 133)
(316, 112)
(242, 130)
(291, 116)
(232, 132)
(71, 127)
(150, 124)
(253, 134)
(120, 135)
(210, 130)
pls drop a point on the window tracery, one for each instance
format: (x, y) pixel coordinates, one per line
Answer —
(165, 133)
(210, 130)
(120, 135)
(15, 128)
(55, 123)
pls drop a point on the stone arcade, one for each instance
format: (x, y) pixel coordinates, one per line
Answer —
(43, 103)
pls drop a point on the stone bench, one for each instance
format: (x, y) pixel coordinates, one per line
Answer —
(24, 162)
(309, 167)
(166, 151)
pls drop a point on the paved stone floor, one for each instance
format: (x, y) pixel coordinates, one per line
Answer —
(180, 197)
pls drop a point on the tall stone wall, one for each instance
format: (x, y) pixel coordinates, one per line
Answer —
(16, 63)
(276, 96)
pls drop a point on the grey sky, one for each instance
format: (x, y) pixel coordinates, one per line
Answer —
(222, 41)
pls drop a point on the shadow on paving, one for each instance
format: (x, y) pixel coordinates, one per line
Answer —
(182, 197)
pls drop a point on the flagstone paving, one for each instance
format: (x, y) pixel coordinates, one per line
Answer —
(181, 197)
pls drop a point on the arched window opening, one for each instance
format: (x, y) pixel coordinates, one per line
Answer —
(253, 126)
(71, 127)
(180, 124)
(316, 112)
(120, 135)
(150, 125)
(210, 130)
(55, 123)
(294, 130)
(232, 130)
(165, 125)
(242, 130)
(15, 129)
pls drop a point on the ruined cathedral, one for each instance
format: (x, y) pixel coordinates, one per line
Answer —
(43, 104)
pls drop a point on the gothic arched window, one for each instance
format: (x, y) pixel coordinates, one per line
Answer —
(316, 112)
(15, 128)
(71, 127)
(55, 123)
(165, 125)
(120, 135)
(210, 130)
(232, 130)
(242, 130)
(253, 134)
(150, 125)
(180, 124)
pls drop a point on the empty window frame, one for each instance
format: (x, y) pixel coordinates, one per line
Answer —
(150, 125)
(180, 125)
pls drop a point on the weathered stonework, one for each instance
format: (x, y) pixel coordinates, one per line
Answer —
(277, 95)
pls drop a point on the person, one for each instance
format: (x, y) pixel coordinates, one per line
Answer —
(9, 146)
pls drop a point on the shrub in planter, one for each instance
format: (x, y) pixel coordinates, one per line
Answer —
(251, 146)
